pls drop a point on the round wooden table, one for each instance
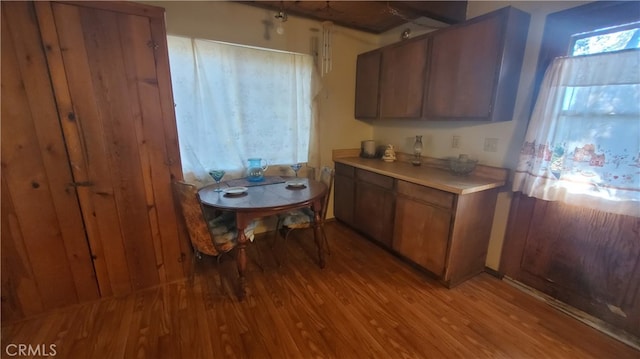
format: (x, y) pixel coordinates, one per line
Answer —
(267, 200)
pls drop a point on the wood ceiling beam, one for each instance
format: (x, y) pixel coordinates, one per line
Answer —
(370, 16)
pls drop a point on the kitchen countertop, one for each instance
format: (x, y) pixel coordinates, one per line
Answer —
(429, 176)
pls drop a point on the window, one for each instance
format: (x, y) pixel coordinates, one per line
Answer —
(583, 142)
(606, 40)
(236, 102)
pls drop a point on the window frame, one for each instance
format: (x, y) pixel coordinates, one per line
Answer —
(561, 26)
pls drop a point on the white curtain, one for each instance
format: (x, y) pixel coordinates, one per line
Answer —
(236, 102)
(582, 145)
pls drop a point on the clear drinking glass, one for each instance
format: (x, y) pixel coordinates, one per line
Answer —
(217, 176)
(296, 167)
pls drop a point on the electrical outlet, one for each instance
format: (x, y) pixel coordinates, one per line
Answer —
(490, 145)
(455, 141)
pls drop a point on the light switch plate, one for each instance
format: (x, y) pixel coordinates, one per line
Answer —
(490, 145)
(455, 141)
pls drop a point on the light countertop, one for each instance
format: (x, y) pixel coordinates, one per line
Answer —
(431, 176)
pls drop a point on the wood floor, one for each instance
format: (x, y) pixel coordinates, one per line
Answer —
(365, 304)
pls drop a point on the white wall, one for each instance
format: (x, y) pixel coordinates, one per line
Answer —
(237, 23)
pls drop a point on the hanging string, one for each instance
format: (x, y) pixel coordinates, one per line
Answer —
(327, 27)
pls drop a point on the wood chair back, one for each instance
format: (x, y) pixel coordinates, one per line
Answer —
(326, 176)
(192, 213)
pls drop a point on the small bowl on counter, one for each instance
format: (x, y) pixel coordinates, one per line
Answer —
(462, 165)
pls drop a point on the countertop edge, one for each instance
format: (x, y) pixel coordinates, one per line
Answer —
(439, 179)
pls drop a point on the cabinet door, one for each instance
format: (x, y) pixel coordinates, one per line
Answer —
(343, 203)
(422, 233)
(110, 76)
(463, 71)
(367, 83)
(403, 75)
(374, 210)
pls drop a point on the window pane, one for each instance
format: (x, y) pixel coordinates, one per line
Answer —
(614, 41)
(623, 100)
(235, 102)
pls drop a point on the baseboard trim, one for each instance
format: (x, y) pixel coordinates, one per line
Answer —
(493, 272)
(575, 313)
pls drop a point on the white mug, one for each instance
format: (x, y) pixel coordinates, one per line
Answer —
(368, 149)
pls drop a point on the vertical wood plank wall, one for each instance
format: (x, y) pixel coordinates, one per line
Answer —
(586, 258)
(82, 104)
(45, 258)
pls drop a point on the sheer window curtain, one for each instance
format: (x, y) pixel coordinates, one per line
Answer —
(236, 102)
(582, 145)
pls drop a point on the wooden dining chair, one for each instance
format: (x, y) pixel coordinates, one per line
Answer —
(209, 235)
(304, 218)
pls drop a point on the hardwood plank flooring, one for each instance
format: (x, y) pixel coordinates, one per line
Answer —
(365, 304)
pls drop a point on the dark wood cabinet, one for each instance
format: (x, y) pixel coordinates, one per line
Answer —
(367, 85)
(445, 233)
(469, 71)
(365, 201)
(344, 193)
(374, 206)
(474, 68)
(402, 78)
(422, 225)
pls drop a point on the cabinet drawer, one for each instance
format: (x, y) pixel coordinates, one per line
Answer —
(427, 194)
(374, 178)
(344, 170)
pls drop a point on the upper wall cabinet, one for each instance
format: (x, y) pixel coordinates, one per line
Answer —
(468, 71)
(402, 79)
(474, 68)
(367, 80)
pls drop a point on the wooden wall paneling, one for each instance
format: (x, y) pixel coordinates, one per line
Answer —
(126, 7)
(47, 125)
(116, 104)
(127, 118)
(20, 296)
(585, 258)
(136, 35)
(137, 73)
(76, 148)
(36, 170)
(159, 38)
(589, 253)
(520, 213)
(632, 297)
(99, 206)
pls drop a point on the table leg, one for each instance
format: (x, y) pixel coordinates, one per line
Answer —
(317, 227)
(242, 262)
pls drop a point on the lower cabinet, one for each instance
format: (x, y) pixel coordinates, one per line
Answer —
(445, 233)
(344, 188)
(374, 206)
(421, 231)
